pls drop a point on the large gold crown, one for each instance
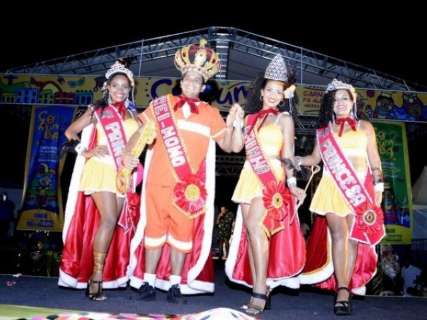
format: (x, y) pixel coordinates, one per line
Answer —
(199, 58)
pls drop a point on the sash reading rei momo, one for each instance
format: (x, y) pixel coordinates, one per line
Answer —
(190, 191)
(276, 197)
(368, 226)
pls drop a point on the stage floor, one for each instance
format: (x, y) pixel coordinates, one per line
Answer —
(303, 304)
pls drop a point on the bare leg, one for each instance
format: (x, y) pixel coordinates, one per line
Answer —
(340, 252)
(352, 252)
(152, 256)
(260, 247)
(109, 207)
(245, 213)
(177, 261)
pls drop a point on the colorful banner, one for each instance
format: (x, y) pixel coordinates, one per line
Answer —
(83, 90)
(42, 201)
(397, 196)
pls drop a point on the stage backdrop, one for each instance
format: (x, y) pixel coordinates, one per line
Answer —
(83, 90)
(397, 196)
(51, 91)
(42, 202)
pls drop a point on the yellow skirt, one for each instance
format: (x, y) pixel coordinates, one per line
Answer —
(98, 175)
(249, 186)
(328, 199)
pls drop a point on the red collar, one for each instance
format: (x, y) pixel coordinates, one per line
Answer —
(121, 108)
(341, 122)
(262, 114)
(191, 102)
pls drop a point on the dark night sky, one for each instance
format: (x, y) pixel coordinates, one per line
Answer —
(391, 42)
(389, 39)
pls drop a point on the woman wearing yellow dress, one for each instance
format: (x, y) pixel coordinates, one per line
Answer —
(94, 205)
(342, 256)
(267, 239)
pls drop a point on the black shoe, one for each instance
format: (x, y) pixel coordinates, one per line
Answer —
(267, 303)
(98, 295)
(343, 307)
(174, 294)
(254, 309)
(147, 292)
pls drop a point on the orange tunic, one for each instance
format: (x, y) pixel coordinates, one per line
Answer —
(194, 132)
(165, 223)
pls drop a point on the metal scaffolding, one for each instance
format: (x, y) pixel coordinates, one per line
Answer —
(243, 55)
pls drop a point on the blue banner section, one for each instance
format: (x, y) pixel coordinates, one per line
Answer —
(41, 206)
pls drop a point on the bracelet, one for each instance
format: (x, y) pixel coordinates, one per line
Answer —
(292, 181)
(379, 187)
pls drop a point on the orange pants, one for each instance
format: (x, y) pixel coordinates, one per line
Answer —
(165, 222)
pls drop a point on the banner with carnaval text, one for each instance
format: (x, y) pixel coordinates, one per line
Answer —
(84, 89)
(397, 196)
(42, 201)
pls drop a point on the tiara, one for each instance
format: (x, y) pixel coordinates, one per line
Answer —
(277, 69)
(339, 85)
(119, 67)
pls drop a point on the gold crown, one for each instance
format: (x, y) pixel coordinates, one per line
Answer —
(199, 58)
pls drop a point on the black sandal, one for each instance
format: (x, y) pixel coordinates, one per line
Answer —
(98, 295)
(343, 307)
(253, 309)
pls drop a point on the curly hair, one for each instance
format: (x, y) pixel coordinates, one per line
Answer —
(327, 108)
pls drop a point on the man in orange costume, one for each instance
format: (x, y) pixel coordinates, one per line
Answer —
(171, 246)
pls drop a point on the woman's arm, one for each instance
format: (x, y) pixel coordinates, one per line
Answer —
(374, 160)
(232, 140)
(78, 125)
(309, 160)
(288, 130)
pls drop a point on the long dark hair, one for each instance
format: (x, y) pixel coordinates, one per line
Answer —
(253, 102)
(327, 108)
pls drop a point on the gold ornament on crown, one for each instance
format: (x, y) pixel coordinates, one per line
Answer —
(199, 58)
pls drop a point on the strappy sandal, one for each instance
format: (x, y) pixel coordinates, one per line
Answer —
(253, 309)
(343, 307)
(98, 294)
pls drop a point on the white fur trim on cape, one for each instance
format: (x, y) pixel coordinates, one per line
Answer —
(193, 286)
(290, 282)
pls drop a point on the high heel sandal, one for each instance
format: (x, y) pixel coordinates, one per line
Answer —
(253, 309)
(343, 307)
(267, 303)
(98, 266)
(98, 294)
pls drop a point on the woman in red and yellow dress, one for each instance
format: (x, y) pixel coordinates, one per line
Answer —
(340, 251)
(98, 218)
(267, 239)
